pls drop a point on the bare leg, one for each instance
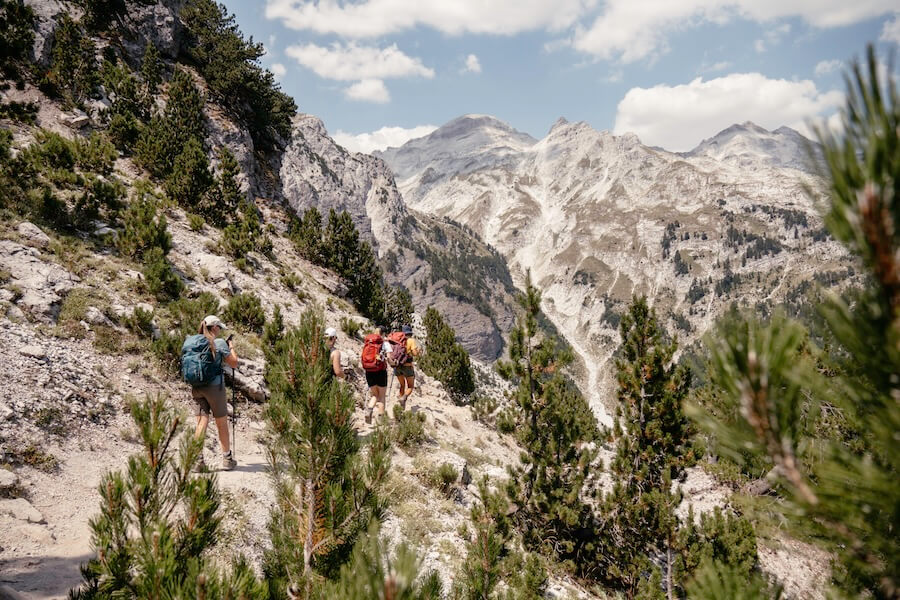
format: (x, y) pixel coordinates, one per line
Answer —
(381, 392)
(222, 426)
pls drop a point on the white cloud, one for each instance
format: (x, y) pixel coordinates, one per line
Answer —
(384, 138)
(278, 70)
(759, 46)
(473, 65)
(351, 62)
(373, 18)
(369, 90)
(891, 30)
(631, 30)
(679, 117)
(825, 67)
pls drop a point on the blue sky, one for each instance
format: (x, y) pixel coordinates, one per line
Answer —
(673, 71)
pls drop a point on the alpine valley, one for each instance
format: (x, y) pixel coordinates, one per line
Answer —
(598, 218)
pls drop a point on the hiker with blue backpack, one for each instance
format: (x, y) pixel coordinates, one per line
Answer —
(202, 356)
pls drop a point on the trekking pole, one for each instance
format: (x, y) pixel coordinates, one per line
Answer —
(234, 413)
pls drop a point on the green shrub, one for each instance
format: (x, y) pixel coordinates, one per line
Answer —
(291, 281)
(73, 65)
(446, 359)
(142, 228)
(96, 154)
(246, 235)
(16, 37)
(23, 112)
(196, 222)
(350, 327)
(245, 310)
(50, 151)
(409, 427)
(140, 322)
(101, 199)
(483, 408)
(160, 278)
(447, 476)
(190, 179)
(168, 134)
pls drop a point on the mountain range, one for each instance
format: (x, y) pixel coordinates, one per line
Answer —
(597, 218)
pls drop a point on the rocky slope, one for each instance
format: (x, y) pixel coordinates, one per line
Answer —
(598, 217)
(474, 293)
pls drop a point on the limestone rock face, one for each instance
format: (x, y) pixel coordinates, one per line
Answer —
(47, 13)
(598, 218)
(32, 234)
(43, 284)
(316, 171)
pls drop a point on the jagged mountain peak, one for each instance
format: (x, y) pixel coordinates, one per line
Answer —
(465, 144)
(747, 145)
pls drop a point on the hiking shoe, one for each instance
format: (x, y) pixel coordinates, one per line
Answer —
(228, 462)
(200, 465)
(368, 416)
(403, 402)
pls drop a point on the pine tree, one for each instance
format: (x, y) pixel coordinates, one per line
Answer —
(151, 77)
(554, 425)
(326, 491)
(398, 306)
(73, 67)
(446, 360)
(306, 234)
(159, 276)
(168, 134)
(850, 496)
(639, 525)
(16, 37)
(374, 575)
(190, 180)
(223, 206)
(157, 522)
(142, 227)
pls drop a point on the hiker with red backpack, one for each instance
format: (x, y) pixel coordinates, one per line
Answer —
(404, 352)
(202, 356)
(374, 363)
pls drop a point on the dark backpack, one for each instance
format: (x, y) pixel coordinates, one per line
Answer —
(399, 355)
(198, 367)
(372, 358)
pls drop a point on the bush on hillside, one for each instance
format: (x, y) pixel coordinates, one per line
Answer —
(73, 63)
(446, 360)
(16, 38)
(161, 280)
(142, 227)
(169, 133)
(158, 546)
(101, 200)
(245, 310)
(246, 235)
(190, 179)
(95, 154)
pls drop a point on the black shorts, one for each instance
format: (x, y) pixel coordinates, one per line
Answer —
(378, 378)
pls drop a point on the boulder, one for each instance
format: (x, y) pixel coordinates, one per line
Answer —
(21, 509)
(75, 119)
(42, 283)
(32, 235)
(8, 481)
(34, 351)
(95, 316)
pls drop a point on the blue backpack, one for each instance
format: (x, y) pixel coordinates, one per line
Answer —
(198, 367)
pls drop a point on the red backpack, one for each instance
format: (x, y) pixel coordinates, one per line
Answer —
(372, 359)
(399, 355)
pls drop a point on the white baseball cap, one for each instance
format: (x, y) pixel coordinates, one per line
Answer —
(331, 332)
(213, 321)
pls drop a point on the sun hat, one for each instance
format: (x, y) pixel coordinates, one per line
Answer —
(330, 332)
(213, 321)
(407, 330)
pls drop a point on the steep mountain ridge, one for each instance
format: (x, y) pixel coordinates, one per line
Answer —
(597, 217)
